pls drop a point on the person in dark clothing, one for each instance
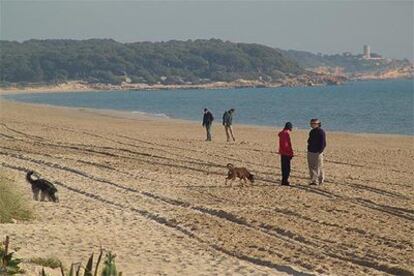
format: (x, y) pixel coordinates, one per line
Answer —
(316, 147)
(227, 123)
(207, 122)
(286, 152)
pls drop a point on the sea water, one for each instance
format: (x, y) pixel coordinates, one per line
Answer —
(377, 106)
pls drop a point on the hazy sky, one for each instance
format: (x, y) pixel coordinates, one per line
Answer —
(316, 26)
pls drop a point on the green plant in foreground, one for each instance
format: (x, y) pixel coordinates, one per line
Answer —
(109, 268)
(8, 265)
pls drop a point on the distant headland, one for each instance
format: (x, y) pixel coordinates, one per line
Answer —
(105, 64)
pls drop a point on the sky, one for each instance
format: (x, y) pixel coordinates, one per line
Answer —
(327, 27)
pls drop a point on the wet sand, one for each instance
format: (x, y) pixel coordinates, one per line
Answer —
(153, 192)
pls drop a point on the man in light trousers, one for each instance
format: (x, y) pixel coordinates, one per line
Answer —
(227, 123)
(316, 147)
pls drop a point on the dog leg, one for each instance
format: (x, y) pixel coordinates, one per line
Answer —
(35, 194)
(42, 196)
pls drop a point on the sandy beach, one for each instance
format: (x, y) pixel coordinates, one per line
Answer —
(153, 192)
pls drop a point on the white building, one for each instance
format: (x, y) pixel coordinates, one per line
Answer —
(367, 52)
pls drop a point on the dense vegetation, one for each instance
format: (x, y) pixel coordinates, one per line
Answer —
(109, 61)
(350, 63)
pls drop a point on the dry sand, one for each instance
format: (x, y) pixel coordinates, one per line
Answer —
(153, 192)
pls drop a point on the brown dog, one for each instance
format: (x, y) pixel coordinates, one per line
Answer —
(242, 173)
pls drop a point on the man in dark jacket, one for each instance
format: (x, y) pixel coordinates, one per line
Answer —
(227, 123)
(207, 122)
(316, 146)
(286, 152)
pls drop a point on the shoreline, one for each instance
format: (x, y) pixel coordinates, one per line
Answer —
(299, 81)
(141, 115)
(78, 87)
(81, 86)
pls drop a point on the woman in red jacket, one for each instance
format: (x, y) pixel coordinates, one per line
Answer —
(286, 152)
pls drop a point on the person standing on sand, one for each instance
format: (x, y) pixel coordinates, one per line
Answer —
(286, 152)
(207, 122)
(316, 146)
(227, 123)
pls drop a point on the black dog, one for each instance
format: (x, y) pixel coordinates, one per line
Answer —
(43, 186)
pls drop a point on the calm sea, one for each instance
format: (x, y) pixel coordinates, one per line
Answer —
(384, 106)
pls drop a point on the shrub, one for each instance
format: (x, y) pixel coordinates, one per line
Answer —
(12, 205)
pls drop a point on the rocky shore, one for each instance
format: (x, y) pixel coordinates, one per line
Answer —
(398, 73)
(318, 77)
(403, 72)
(312, 79)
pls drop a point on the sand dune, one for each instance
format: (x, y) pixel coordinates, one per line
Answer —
(153, 192)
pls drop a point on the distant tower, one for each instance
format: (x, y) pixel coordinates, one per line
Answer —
(367, 52)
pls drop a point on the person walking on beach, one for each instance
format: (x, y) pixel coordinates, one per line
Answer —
(316, 146)
(207, 122)
(286, 152)
(227, 123)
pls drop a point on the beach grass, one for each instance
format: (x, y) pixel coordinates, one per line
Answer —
(12, 204)
(50, 262)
